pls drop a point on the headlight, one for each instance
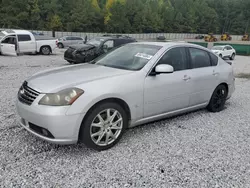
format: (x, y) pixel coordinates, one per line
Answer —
(62, 98)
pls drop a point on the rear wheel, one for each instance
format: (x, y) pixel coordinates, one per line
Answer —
(103, 126)
(45, 50)
(60, 45)
(221, 56)
(232, 56)
(218, 99)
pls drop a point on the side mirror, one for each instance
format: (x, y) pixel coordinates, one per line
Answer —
(164, 68)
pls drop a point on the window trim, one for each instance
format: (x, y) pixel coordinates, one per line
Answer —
(191, 67)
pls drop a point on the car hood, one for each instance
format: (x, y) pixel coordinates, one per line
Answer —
(82, 46)
(61, 78)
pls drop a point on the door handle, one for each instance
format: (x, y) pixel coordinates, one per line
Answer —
(186, 78)
(1, 45)
(215, 73)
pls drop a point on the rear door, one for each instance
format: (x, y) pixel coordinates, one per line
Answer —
(9, 46)
(26, 44)
(204, 75)
(67, 42)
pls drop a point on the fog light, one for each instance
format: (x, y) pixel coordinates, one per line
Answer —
(45, 132)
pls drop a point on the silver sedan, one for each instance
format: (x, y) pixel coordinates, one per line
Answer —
(131, 85)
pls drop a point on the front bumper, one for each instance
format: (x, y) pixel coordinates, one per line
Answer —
(64, 128)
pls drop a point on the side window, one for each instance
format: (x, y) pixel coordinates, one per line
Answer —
(9, 40)
(6, 41)
(199, 58)
(68, 38)
(23, 38)
(175, 57)
(78, 38)
(214, 59)
(109, 43)
(229, 48)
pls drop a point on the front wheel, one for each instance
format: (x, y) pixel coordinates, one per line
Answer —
(232, 56)
(218, 99)
(103, 126)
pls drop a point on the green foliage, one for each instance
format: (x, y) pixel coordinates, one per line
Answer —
(128, 16)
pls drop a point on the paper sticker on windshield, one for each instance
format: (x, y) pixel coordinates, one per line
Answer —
(144, 56)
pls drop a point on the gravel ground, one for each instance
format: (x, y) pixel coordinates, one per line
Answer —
(199, 149)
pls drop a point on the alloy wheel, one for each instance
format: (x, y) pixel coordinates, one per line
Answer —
(106, 127)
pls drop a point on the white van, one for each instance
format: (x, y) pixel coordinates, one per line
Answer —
(13, 42)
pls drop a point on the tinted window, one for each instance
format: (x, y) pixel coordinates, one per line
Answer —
(175, 57)
(23, 38)
(214, 59)
(199, 58)
(228, 48)
(69, 38)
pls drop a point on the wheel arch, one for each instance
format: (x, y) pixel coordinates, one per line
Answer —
(116, 100)
(45, 46)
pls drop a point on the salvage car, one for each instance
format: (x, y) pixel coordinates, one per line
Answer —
(93, 48)
(135, 84)
(13, 42)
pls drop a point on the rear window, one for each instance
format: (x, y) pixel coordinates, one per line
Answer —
(23, 38)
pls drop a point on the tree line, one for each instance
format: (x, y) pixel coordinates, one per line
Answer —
(128, 16)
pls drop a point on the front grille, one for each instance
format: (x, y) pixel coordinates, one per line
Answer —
(26, 94)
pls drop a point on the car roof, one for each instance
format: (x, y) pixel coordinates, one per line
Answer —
(172, 44)
(17, 31)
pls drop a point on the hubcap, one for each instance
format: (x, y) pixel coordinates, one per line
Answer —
(46, 50)
(219, 98)
(106, 127)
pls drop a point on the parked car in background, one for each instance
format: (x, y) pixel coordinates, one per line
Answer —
(13, 42)
(93, 48)
(37, 33)
(226, 51)
(134, 84)
(69, 40)
(199, 37)
(161, 37)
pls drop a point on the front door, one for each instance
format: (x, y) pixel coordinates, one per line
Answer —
(9, 46)
(168, 92)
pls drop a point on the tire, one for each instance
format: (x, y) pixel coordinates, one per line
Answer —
(221, 56)
(90, 126)
(218, 99)
(60, 45)
(45, 50)
(232, 56)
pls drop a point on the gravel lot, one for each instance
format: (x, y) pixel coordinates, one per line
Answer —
(199, 149)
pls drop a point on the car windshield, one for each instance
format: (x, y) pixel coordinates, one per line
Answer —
(129, 57)
(95, 41)
(217, 48)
